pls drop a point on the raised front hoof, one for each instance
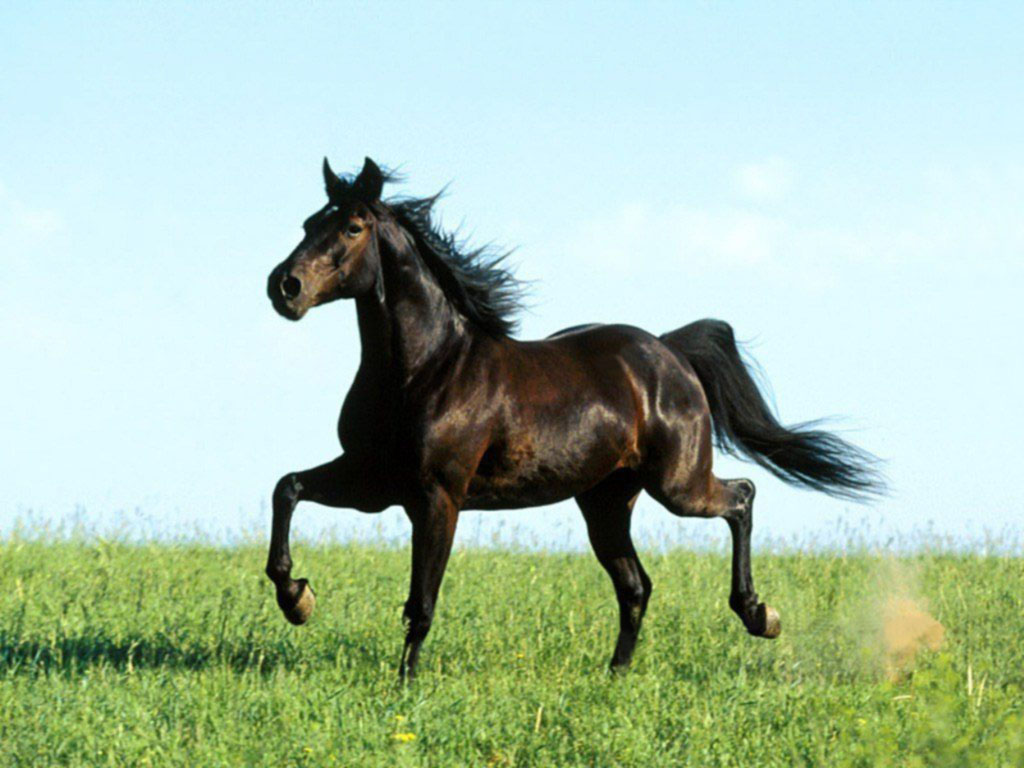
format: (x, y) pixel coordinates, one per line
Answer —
(297, 602)
(766, 622)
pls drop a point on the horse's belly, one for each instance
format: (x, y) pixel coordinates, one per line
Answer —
(517, 495)
(527, 476)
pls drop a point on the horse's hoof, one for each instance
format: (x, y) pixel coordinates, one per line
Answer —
(772, 623)
(301, 609)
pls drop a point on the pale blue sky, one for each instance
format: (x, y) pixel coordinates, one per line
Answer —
(844, 184)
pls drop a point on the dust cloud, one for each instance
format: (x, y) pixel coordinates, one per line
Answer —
(907, 629)
(903, 625)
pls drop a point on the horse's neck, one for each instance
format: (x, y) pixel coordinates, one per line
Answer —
(412, 326)
(374, 333)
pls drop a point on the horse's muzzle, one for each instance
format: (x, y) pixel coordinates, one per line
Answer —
(284, 289)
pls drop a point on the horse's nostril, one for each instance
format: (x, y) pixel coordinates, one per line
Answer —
(291, 287)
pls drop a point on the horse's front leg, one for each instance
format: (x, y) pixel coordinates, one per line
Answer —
(339, 483)
(433, 529)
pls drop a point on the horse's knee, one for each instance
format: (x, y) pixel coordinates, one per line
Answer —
(740, 502)
(745, 490)
(287, 490)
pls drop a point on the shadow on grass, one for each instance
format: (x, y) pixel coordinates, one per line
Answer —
(77, 654)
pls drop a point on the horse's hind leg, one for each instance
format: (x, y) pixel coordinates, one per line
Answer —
(759, 619)
(732, 500)
(607, 508)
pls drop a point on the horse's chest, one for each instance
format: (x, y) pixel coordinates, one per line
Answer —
(367, 418)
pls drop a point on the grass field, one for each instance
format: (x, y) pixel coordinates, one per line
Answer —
(119, 654)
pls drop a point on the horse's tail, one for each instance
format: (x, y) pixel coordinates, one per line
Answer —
(744, 425)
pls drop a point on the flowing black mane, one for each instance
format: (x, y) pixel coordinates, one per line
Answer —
(474, 279)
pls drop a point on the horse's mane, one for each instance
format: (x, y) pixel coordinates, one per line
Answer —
(474, 279)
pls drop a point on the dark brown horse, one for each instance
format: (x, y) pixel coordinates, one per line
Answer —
(449, 412)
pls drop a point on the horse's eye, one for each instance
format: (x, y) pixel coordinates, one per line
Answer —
(353, 229)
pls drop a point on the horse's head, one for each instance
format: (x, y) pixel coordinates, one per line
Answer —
(338, 257)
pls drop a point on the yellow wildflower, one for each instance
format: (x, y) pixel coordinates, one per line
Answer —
(405, 737)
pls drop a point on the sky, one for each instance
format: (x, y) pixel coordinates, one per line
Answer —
(843, 183)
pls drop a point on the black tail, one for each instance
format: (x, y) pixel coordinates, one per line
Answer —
(745, 426)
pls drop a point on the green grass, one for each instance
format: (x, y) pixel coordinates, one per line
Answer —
(118, 654)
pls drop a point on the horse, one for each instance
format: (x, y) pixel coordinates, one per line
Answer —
(449, 411)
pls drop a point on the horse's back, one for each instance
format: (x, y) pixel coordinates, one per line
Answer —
(647, 356)
(574, 329)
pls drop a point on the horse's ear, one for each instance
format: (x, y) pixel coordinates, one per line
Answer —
(369, 183)
(335, 186)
